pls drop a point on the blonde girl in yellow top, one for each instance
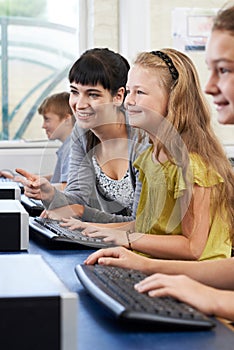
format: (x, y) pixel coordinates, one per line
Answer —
(186, 208)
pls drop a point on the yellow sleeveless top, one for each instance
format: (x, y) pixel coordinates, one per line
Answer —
(159, 210)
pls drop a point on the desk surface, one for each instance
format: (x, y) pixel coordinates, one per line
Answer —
(98, 330)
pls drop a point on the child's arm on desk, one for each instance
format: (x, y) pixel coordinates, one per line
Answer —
(207, 299)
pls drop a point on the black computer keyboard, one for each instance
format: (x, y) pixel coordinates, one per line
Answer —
(52, 230)
(33, 206)
(114, 287)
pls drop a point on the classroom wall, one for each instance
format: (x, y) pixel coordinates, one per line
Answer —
(161, 36)
(37, 157)
(130, 26)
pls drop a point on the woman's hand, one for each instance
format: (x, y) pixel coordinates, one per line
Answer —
(118, 256)
(67, 212)
(35, 186)
(73, 224)
(180, 287)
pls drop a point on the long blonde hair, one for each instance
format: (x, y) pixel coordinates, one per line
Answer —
(189, 114)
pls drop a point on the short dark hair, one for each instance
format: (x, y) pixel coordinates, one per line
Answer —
(57, 103)
(100, 66)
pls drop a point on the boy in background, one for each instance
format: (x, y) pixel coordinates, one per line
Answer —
(58, 122)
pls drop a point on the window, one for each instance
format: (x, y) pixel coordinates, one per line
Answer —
(39, 43)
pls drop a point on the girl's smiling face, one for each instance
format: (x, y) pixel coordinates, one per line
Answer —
(220, 62)
(146, 101)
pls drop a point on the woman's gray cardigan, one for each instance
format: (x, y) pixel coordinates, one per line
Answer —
(81, 186)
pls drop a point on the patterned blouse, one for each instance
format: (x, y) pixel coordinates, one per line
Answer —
(117, 190)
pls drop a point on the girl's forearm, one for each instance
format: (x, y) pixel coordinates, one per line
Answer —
(223, 305)
(165, 246)
(215, 273)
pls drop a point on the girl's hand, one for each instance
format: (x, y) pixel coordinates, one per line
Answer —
(118, 256)
(118, 237)
(180, 287)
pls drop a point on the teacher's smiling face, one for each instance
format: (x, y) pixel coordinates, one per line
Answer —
(93, 106)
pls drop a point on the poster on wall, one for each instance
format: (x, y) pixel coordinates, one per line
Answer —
(191, 28)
